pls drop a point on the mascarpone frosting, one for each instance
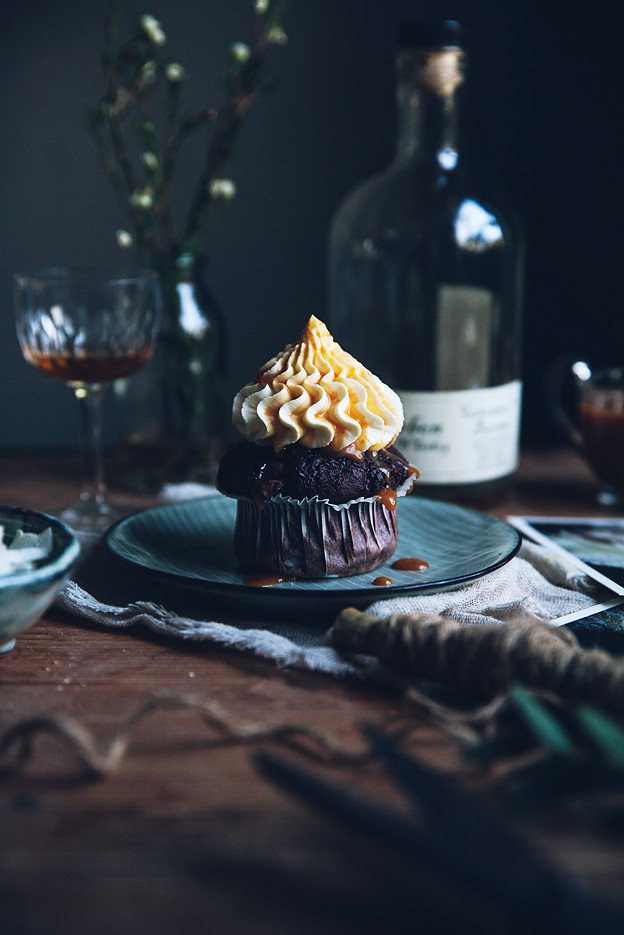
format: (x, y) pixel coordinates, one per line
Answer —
(315, 393)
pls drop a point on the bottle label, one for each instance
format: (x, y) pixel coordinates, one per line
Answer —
(465, 314)
(462, 436)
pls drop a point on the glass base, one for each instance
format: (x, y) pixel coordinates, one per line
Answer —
(90, 516)
(7, 647)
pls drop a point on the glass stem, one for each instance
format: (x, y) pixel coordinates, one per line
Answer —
(93, 486)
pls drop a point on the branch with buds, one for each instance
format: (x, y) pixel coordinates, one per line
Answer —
(139, 146)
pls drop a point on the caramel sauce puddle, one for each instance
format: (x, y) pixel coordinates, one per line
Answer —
(410, 564)
(264, 581)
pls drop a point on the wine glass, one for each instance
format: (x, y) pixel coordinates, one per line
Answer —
(87, 326)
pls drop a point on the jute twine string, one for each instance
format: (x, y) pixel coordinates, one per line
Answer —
(481, 660)
(98, 760)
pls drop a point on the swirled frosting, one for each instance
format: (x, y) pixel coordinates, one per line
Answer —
(317, 394)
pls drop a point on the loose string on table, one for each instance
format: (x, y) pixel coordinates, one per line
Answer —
(97, 759)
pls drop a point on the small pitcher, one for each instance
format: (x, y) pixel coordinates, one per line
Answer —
(594, 422)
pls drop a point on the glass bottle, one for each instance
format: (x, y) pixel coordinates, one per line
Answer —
(425, 275)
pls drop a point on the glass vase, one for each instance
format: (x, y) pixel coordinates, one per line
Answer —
(173, 415)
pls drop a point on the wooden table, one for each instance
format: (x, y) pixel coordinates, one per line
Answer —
(185, 835)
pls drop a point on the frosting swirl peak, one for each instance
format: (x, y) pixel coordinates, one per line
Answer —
(315, 393)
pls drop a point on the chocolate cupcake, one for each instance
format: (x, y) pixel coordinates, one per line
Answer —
(316, 476)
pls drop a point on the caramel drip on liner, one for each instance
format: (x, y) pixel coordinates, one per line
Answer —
(388, 497)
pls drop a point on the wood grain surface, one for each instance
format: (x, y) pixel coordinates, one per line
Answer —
(184, 835)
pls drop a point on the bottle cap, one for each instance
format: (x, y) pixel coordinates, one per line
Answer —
(432, 34)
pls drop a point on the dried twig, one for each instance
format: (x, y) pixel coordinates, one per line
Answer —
(139, 154)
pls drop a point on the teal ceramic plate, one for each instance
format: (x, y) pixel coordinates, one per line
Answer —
(190, 544)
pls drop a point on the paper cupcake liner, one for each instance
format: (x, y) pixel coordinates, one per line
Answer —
(314, 538)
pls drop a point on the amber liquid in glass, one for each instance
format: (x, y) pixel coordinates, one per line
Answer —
(603, 434)
(87, 369)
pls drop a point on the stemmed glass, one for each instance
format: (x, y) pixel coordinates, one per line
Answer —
(87, 326)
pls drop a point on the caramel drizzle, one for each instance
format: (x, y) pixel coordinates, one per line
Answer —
(388, 497)
(264, 581)
(410, 564)
(351, 452)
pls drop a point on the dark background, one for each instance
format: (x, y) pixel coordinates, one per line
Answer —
(542, 118)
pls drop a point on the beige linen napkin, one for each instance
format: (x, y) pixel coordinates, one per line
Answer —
(534, 584)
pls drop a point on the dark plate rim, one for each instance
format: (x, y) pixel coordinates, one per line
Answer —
(323, 596)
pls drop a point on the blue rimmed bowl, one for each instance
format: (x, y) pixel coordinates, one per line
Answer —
(26, 595)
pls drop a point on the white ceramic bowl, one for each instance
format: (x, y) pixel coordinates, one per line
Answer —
(26, 595)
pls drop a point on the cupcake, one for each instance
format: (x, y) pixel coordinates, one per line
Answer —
(316, 475)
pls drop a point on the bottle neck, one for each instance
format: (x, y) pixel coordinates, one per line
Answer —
(427, 97)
